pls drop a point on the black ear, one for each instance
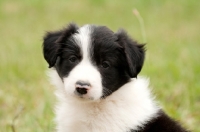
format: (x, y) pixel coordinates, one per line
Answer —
(53, 42)
(134, 53)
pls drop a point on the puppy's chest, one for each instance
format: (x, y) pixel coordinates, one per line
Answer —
(95, 119)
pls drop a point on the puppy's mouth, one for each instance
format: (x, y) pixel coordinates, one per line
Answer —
(82, 96)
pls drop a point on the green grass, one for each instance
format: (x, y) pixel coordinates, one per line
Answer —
(172, 62)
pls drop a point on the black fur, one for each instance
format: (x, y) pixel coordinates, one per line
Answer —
(162, 123)
(134, 53)
(124, 57)
(52, 43)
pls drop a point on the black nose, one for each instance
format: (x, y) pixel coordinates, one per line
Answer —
(81, 91)
(82, 87)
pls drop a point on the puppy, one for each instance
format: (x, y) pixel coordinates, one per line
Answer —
(95, 71)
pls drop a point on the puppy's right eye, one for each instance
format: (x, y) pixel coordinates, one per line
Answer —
(73, 59)
(105, 65)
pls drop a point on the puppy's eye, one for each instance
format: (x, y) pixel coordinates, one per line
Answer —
(105, 64)
(73, 59)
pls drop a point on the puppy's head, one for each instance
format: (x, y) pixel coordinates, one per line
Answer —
(92, 61)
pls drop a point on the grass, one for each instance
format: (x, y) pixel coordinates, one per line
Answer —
(172, 62)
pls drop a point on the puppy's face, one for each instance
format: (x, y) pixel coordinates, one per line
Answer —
(92, 61)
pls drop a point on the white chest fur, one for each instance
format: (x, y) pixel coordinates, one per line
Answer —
(129, 107)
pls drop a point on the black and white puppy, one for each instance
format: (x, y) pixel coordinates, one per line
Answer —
(95, 71)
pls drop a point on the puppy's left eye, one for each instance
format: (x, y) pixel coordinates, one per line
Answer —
(105, 64)
(73, 59)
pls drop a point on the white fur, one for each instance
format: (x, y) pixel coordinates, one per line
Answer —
(84, 71)
(82, 38)
(127, 108)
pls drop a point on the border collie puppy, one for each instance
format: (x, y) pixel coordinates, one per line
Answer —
(95, 71)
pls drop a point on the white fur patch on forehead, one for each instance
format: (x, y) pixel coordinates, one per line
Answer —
(83, 39)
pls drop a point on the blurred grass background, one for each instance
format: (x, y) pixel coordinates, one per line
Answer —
(172, 62)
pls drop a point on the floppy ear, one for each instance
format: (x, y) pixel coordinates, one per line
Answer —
(53, 42)
(134, 53)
